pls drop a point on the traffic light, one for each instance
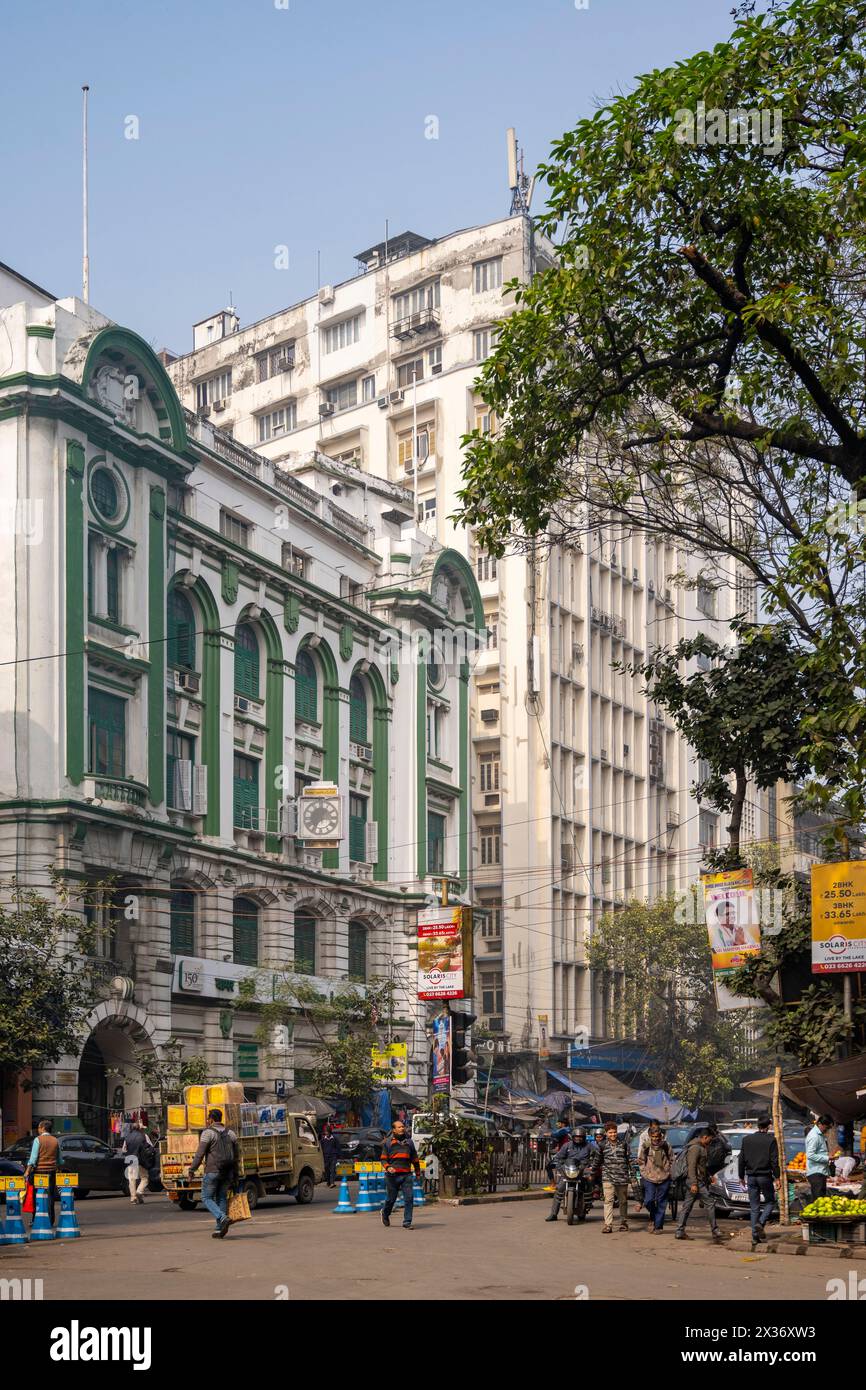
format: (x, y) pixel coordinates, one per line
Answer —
(463, 1068)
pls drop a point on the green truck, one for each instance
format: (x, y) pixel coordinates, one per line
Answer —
(290, 1163)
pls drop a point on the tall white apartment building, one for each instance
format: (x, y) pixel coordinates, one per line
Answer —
(580, 793)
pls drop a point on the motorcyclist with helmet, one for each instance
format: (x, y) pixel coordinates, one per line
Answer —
(577, 1150)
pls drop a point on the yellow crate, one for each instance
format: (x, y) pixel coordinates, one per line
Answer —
(195, 1095)
(226, 1093)
(196, 1116)
(176, 1116)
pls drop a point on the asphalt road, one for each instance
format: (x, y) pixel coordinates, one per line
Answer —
(502, 1251)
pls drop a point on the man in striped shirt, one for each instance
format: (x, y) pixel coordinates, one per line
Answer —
(399, 1158)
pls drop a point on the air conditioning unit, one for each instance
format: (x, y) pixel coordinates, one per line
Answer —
(634, 576)
(489, 716)
(362, 751)
(289, 817)
(603, 755)
(219, 405)
(203, 412)
(326, 408)
(284, 364)
(188, 680)
(395, 397)
(613, 560)
(382, 402)
(326, 294)
(667, 596)
(650, 586)
(436, 369)
(241, 704)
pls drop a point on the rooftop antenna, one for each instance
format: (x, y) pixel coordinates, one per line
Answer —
(85, 258)
(520, 184)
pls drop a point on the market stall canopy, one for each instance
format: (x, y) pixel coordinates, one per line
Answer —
(299, 1104)
(764, 1087)
(611, 1097)
(400, 1097)
(832, 1087)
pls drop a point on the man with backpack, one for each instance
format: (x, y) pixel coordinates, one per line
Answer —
(141, 1158)
(218, 1148)
(691, 1165)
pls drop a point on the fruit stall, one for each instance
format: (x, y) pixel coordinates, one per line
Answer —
(835, 1221)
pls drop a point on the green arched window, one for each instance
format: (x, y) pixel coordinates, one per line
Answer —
(246, 662)
(181, 631)
(245, 924)
(305, 944)
(306, 689)
(357, 952)
(357, 711)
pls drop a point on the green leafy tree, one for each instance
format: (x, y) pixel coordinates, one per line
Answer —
(742, 716)
(46, 989)
(692, 366)
(345, 1027)
(165, 1072)
(462, 1148)
(655, 963)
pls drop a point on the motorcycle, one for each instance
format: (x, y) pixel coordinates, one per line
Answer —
(579, 1192)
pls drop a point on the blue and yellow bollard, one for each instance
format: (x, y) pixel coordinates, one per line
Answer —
(42, 1228)
(344, 1206)
(364, 1202)
(15, 1232)
(67, 1227)
(418, 1198)
(380, 1193)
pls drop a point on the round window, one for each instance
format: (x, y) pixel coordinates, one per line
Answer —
(103, 491)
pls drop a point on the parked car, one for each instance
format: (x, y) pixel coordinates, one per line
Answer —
(362, 1144)
(99, 1167)
(731, 1195)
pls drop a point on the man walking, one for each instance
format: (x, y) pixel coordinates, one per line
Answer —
(614, 1163)
(218, 1148)
(698, 1188)
(655, 1160)
(139, 1154)
(44, 1156)
(818, 1156)
(758, 1166)
(576, 1150)
(399, 1158)
(329, 1154)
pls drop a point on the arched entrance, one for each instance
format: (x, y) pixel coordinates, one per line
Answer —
(109, 1072)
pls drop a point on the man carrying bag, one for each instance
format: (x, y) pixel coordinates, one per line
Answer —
(218, 1149)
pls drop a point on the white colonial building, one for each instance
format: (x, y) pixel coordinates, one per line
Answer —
(192, 637)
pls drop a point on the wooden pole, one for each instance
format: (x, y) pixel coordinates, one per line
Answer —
(780, 1142)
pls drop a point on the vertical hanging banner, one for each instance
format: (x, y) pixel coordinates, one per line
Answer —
(444, 953)
(733, 928)
(441, 1059)
(838, 917)
(543, 1036)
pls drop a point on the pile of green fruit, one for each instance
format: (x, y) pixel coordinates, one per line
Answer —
(828, 1207)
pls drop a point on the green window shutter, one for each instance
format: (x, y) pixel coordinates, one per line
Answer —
(306, 689)
(435, 843)
(112, 579)
(247, 1061)
(183, 922)
(245, 925)
(357, 711)
(107, 721)
(357, 952)
(246, 793)
(358, 828)
(246, 662)
(181, 632)
(305, 945)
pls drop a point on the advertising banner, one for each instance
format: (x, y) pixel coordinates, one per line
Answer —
(838, 917)
(543, 1036)
(441, 1062)
(392, 1061)
(733, 928)
(444, 953)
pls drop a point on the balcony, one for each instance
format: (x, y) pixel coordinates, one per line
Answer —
(118, 791)
(422, 321)
(112, 979)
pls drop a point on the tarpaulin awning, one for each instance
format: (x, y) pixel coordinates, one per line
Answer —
(611, 1097)
(831, 1087)
(527, 1095)
(764, 1087)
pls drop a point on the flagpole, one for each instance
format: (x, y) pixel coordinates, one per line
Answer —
(85, 262)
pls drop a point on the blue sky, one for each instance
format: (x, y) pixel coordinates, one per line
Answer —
(302, 126)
